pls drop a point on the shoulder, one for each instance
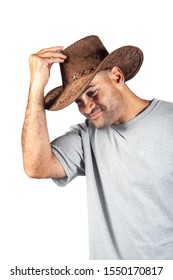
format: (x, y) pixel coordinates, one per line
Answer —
(165, 105)
(164, 115)
(165, 109)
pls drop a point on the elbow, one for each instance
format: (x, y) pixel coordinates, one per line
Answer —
(31, 173)
(34, 172)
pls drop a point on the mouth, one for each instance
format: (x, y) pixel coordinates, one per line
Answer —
(95, 115)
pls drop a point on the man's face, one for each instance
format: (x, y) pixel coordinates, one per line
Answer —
(102, 102)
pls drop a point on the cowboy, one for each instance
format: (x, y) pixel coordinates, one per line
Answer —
(124, 148)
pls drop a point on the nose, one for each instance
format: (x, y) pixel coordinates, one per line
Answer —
(87, 107)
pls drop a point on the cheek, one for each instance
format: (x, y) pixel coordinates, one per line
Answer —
(115, 103)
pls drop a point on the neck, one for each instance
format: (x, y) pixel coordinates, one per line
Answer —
(132, 105)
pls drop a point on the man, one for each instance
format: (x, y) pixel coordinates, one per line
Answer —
(124, 148)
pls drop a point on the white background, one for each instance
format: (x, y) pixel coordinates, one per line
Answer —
(43, 225)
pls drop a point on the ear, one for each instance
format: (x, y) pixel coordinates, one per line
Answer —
(117, 75)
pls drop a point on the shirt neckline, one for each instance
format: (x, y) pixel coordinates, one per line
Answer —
(139, 117)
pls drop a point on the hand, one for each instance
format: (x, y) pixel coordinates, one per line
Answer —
(40, 65)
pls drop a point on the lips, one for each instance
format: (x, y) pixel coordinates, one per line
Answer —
(95, 115)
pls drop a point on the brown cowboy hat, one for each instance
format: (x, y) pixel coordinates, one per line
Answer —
(85, 58)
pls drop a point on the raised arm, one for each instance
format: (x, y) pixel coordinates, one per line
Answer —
(38, 159)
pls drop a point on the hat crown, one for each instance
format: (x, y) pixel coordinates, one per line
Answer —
(83, 58)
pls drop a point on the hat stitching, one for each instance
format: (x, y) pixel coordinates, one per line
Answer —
(74, 77)
(83, 73)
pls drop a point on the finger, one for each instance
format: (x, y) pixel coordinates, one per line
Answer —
(54, 49)
(52, 60)
(52, 54)
(47, 58)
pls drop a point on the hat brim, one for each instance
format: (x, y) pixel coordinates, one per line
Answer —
(128, 58)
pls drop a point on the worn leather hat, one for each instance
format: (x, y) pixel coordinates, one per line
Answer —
(85, 58)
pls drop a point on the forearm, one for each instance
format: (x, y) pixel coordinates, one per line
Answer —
(35, 138)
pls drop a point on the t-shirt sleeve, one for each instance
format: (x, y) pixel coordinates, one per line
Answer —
(69, 150)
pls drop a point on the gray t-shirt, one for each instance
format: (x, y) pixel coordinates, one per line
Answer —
(129, 173)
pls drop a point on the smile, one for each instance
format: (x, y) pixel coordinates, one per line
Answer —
(95, 115)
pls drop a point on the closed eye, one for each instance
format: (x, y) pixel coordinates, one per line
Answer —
(91, 93)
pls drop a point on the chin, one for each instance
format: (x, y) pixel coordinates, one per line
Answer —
(99, 124)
